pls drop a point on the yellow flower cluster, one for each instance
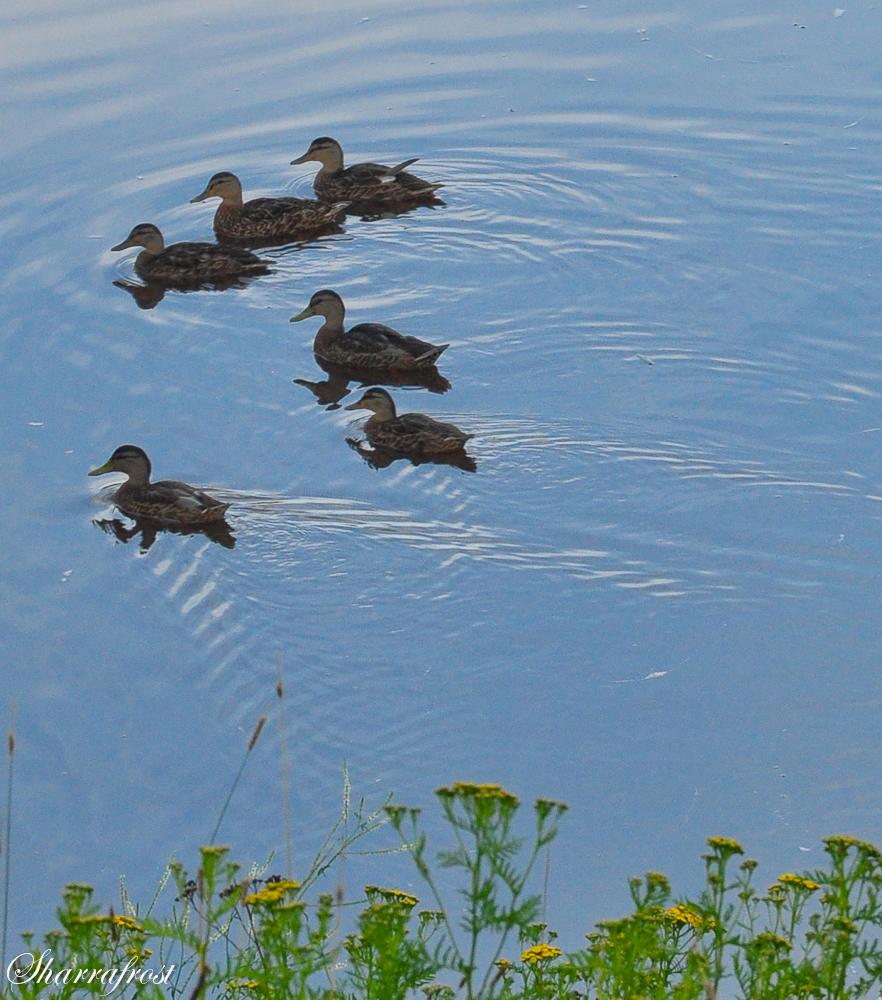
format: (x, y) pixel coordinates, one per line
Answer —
(469, 790)
(126, 922)
(214, 851)
(139, 954)
(242, 984)
(540, 953)
(681, 915)
(392, 895)
(801, 883)
(273, 893)
(725, 844)
(838, 841)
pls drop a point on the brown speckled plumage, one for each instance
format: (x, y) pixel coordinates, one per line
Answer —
(265, 221)
(367, 345)
(366, 184)
(188, 263)
(410, 433)
(167, 500)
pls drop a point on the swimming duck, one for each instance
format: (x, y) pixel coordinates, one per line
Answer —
(164, 501)
(188, 262)
(265, 220)
(367, 345)
(410, 433)
(364, 182)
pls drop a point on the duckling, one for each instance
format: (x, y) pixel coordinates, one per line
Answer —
(410, 433)
(265, 220)
(188, 263)
(164, 501)
(373, 183)
(367, 345)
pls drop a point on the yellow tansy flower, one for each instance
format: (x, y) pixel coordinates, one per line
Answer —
(726, 844)
(540, 953)
(285, 884)
(392, 895)
(273, 893)
(797, 880)
(681, 915)
(265, 896)
(469, 790)
(126, 922)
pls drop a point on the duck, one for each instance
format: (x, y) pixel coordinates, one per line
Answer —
(167, 500)
(408, 433)
(372, 183)
(188, 262)
(366, 345)
(266, 220)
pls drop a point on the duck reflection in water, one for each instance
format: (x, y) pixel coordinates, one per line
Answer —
(151, 293)
(185, 267)
(367, 353)
(167, 505)
(148, 529)
(413, 436)
(336, 386)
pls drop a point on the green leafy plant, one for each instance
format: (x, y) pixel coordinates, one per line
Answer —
(228, 934)
(486, 850)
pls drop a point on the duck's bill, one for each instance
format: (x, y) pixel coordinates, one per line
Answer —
(201, 197)
(358, 405)
(307, 312)
(101, 469)
(300, 159)
(123, 246)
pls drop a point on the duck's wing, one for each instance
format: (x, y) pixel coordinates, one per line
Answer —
(273, 209)
(376, 171)
(379, 180)
(208, 258)
(377, 338)
(172, 501)
(420, 423)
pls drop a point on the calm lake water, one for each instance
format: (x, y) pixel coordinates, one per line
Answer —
(657, 598)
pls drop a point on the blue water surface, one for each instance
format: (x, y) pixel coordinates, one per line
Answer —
(656, 599)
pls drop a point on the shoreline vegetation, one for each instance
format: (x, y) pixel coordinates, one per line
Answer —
(222, 932)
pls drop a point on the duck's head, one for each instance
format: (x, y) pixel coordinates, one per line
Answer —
(131, 460)
(324, 303)
(326, 151)
(146, 235)
(224, 185)
(377, 400)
